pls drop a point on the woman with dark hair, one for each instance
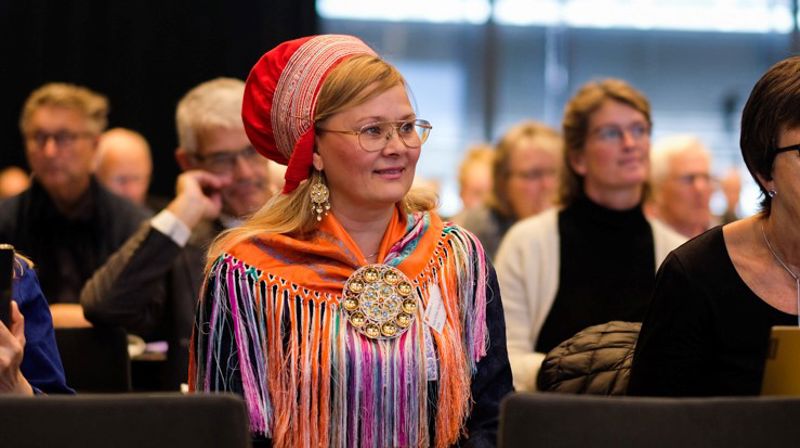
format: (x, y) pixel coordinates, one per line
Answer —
(593, 260)
(717, 296)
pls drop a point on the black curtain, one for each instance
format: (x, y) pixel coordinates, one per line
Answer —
(142, 54)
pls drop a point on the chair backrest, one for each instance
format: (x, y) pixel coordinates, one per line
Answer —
(124, 421)
(567, 421)
(95, 359)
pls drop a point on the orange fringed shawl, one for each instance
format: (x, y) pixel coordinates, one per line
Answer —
(269, 326)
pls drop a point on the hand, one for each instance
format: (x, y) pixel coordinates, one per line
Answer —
(197, 196)
(12, 348)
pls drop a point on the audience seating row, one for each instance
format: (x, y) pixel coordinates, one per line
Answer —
(124, 421)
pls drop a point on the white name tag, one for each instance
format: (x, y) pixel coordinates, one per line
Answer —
(435, 314)
(431, 362)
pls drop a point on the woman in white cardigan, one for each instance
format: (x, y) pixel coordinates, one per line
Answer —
(594, 259)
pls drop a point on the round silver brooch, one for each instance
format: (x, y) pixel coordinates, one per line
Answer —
(379, 301)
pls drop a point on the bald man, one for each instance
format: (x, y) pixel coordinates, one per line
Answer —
(123, 164)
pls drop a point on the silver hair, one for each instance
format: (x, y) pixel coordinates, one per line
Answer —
(665, 149)
(215, 104)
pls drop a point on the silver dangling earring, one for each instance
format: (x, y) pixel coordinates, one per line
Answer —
(319, 196)
(772, 193)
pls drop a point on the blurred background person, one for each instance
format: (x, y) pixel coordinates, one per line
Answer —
(123, 164)
(475, 176)
(13, 181)
(718, 296)
(681, 184)
(424, 184)
(525, 172)
(66, 220)
(150, 285)
(594, 260)
(731, 186)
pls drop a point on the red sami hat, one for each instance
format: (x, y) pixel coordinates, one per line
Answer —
(280, 98)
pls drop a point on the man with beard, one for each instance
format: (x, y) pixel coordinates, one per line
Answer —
(150, 286)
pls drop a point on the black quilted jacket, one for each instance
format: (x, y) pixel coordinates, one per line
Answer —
(595, 361)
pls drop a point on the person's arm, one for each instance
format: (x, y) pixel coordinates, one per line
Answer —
(671, 352)
(41, 363)
(129, 289)
(513, 279)
(492, 381)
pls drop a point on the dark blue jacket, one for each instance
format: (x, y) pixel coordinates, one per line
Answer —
(41, 363)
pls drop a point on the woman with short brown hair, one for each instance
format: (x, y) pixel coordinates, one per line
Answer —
(718, 296)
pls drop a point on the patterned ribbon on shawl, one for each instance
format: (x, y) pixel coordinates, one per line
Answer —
(270, 318)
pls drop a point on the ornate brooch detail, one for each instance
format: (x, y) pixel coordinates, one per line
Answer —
(378, 301)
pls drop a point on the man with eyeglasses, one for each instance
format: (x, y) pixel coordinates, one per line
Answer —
(681, 184)
(150, 286)
(66, 221)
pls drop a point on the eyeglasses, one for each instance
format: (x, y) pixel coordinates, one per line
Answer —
(534, 174)
(788, 148)
(225, 161)
(616, 134)
(691, 179)
(374, 137)
(63, 139)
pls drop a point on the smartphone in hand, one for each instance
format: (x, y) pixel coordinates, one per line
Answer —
(6, 282)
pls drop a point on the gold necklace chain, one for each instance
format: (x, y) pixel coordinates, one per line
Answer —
(785, 267)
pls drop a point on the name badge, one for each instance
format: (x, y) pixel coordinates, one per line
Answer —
(435, 314)
(431, 363)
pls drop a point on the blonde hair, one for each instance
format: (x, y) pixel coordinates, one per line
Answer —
(577, 114)
(353, 82)
(538, 134)
(20, 262)
(212, 105)
(92, 105)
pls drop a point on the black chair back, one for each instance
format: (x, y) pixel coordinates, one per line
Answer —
(580, 421)
(124, 421)
(95, 359)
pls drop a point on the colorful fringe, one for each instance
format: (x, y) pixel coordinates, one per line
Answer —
(309, 379)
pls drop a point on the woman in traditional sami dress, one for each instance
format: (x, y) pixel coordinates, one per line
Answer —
(345, 311)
